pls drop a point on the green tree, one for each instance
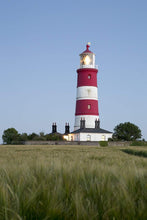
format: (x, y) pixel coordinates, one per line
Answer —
(33, 136)
(42, 136)
(23, 137)
(54, 137)
(10, 136)
(127, 132)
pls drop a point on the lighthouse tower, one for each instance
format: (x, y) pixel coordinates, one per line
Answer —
(87, 123)
(87, 91)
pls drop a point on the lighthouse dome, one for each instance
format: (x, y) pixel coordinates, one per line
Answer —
(87, 49)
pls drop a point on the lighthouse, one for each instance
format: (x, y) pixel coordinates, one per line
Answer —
(87, 122)
(87, 91)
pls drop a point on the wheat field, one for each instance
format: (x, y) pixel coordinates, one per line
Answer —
(72, 182)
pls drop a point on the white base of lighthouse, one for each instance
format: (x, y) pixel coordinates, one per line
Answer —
(89, 121)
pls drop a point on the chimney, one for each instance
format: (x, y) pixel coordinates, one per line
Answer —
(54, 128)
(82, 123)
(67, 128)
(97, 123)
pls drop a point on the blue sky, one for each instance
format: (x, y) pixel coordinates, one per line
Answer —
(40, 43)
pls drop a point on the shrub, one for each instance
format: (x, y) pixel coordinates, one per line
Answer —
(110, 139)
(103, 143)
(138, 143)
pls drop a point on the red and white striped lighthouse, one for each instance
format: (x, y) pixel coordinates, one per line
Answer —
(87, 91)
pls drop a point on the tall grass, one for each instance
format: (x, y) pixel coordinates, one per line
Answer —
(135, 152)
(71, 182)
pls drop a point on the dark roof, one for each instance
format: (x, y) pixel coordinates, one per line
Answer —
(90, 130)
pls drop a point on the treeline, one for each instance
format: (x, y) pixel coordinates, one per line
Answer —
(122, 132)
(11, 136)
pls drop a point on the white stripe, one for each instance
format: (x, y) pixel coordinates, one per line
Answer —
(87, 92)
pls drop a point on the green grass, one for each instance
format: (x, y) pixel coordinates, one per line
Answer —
(72, 182)
(138, 143)
(135, 152)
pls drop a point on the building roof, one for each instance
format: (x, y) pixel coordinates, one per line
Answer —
(91, 130)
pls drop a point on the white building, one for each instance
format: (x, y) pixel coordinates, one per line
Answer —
(90, 134)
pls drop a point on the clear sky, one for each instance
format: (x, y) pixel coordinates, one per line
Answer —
(40, 43)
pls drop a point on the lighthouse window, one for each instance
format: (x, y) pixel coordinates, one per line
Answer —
(103, 138)
(88, 137)
(89, 76)
(89, 106)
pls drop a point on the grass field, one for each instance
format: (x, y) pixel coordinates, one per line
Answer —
(72, 182)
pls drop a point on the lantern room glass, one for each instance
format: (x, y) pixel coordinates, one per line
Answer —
(87, 60)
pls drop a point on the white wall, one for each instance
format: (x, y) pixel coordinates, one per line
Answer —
(95, 136)
(89, 121)
(90, 136)
(74, 137)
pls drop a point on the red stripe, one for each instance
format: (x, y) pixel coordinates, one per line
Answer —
(84, 80)
(82, 107)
